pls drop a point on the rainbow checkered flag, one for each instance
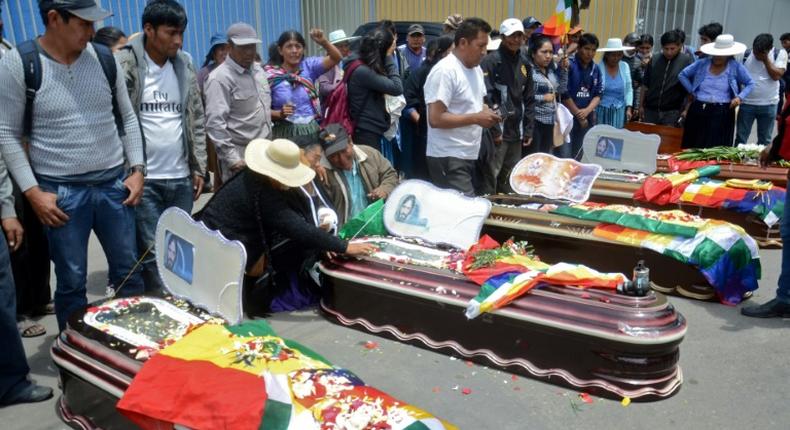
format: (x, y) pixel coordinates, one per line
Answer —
(559, 23)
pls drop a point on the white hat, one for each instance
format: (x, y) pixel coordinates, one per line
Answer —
(510, 26)
(339, 36)
(614, 44)
(724, 46)
(278, 159)
(493, 44)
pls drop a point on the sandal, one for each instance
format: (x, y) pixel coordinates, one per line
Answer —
(30, 328)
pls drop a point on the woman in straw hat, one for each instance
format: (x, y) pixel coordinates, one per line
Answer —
(618, 92)
(252, 208)
(717, 84)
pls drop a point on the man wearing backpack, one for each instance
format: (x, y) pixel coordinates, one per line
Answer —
(766, 65)
(84, 166)
(163, 88)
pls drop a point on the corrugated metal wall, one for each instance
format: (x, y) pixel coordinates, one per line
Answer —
(270, 17)
(331, 15)
(655, 17)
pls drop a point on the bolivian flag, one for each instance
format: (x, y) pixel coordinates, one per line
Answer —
(245, 377)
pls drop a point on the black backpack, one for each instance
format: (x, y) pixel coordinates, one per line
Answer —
(31, 64)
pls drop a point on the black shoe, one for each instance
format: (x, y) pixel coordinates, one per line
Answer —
(31, 394)
(772, 309)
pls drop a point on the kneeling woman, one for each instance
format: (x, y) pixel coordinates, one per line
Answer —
(252, 207)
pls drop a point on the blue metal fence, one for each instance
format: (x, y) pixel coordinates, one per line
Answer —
(206, 17)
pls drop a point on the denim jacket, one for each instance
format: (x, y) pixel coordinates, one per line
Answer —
(741, 83)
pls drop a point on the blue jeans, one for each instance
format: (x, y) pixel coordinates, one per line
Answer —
(13, 362)
(765, 116)
(783, 292)
(158, 195)
(98, 207)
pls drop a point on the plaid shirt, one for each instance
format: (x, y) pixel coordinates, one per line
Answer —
(548, 84)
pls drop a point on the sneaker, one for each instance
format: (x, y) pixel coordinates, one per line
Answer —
(109, 292)
(32, 393)
(772, 309)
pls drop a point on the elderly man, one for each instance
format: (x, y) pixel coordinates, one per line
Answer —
(238, 101)
(355, 175)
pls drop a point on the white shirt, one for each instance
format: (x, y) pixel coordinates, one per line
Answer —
(766, 90)
(161, 110)
(461, 89)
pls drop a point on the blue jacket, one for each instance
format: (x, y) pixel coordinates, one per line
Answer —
(741, 83)
(625, 74)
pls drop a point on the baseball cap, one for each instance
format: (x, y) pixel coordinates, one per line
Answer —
(510, 26)
(242, 33)
(530, 22)
(415, 28)
(85, 9)
(335, 139)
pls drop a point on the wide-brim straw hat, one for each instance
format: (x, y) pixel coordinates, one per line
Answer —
(339, 36)
(724, 46)
(614, 45)
(278, 159)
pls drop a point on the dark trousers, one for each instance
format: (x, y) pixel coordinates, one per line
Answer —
(30, 263)
(364, 137)
(542, 139)
(709, 125)
(496, 176)
(452, 173)
(13, 362)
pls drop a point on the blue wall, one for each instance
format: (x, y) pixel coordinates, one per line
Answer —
(206, 17)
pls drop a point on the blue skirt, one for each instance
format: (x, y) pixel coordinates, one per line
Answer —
(614, 116)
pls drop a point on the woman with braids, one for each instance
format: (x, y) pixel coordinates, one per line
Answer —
(415, 98)
(253, 208)
(295, 104)
(373, 74)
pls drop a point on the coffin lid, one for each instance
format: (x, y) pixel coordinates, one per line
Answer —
(621, 150)
(200, 265)
(421, 210)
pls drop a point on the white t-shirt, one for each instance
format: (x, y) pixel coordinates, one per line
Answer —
(766, 90)
(161, 120)
(461, 89)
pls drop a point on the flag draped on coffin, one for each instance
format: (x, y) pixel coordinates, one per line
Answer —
(674, 222)
(511, 275)
(559, 23)
(245, 377)
(763, 200)
(369, 222)
(663, 189)
(724, 254)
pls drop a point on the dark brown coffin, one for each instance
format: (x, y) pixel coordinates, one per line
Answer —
(596, 341)
(616, 192)
(95, 369)
(563, 239)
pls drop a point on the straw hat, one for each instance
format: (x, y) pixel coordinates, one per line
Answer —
(724, 46)
(278, 159)
(614, 44)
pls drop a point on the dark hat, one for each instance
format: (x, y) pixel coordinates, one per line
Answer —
(85, 9)
(530, 22)
(335, 139)
(415, 28)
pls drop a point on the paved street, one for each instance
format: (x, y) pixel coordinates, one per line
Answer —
(735, 369)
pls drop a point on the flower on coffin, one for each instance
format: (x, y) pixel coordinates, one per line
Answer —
(260, 348)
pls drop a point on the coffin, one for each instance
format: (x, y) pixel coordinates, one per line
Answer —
(557, 238)
(592, 340)
(104, 346)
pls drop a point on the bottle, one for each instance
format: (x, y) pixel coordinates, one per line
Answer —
(641, 279)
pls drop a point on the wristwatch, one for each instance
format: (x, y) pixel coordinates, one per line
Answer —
(139, 168)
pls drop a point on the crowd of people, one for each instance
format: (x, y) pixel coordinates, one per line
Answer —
(101, 132)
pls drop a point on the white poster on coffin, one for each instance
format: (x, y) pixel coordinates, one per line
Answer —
(421, 210)
(620, 150)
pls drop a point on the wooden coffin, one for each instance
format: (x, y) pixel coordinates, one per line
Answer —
(616, 192)
(557, 238)
(103, 348)
(592, 340)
